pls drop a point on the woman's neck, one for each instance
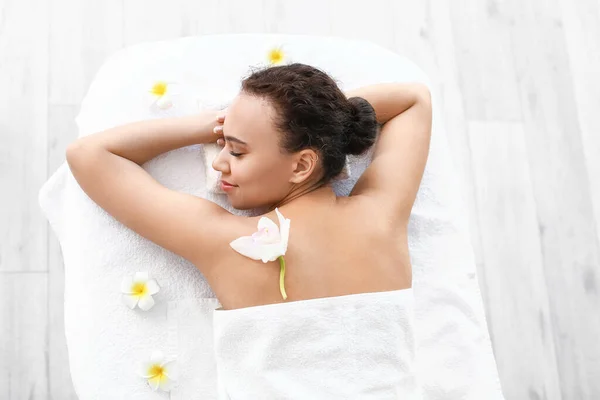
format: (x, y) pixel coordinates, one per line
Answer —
(308, 196)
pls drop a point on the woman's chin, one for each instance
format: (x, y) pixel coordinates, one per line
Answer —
(237, 205)
(261, 208)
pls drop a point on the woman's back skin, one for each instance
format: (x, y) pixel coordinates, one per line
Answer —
(336, 247)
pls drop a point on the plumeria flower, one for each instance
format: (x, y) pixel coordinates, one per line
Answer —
(163, 94)
(269, 243)
(137, 289)
(276, 55)
(160, 372)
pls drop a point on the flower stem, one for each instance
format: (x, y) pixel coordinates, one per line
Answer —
(282, 277)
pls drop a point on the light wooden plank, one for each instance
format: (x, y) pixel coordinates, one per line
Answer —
(102, 30)
(204, 17)
(235, 16)
(410, 26)
(82, 36)
(23, 60)
(484, 58)
(152, 20)
(23, 321)
(61, 131)
(519, 315)
(310, 17)
(66, 83)
(447, 77)
(581, 21)
(374, 23)
(562, 193)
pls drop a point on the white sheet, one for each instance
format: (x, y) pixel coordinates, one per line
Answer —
(105, 338)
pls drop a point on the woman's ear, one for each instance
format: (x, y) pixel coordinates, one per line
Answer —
(306, 165)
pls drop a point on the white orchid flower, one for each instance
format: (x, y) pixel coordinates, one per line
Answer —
(137, 289)
(160, 372)
(269, 243)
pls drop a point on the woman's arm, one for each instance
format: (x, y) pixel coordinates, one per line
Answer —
(141, 141)
(390, 183)
(107, 166)
(389, 99)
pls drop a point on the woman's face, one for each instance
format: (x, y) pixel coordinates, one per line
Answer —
(251, 158)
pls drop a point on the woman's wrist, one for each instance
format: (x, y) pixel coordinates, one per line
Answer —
(206, 121)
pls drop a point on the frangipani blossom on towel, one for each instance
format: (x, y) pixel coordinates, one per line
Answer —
(138, 289)
(276, 55)
(160, 372)
(269, 243)
(162, 93)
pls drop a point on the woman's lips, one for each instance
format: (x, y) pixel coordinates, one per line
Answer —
(226, 185)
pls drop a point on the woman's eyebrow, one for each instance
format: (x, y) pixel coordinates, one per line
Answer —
(234, 139)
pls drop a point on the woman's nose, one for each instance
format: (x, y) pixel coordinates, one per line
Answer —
(220, 163)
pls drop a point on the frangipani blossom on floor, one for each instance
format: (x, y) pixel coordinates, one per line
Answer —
(269, 243)
(160, 372)
(138, 289)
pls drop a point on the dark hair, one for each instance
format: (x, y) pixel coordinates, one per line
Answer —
(313, 112)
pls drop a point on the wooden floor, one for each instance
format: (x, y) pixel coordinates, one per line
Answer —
(520, 82)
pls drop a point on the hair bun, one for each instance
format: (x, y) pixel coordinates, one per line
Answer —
(361, 130)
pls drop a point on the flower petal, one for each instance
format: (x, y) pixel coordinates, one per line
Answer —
(266, 236)
(144, 369)
(126, 284)
(165, 383)
(171, 369)
(164, 102)
(267, 223)
(246, 246)
(154, 382)
(146, 302)
(284, 225)
(130, 300)
(270, 252)
(152, 286)
(141, 277)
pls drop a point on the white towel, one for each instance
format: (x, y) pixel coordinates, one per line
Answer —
(105, 338)
(352, 347)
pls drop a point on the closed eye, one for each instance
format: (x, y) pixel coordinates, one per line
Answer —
(222, 142)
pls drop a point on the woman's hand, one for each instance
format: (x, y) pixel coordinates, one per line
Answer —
(218, 129)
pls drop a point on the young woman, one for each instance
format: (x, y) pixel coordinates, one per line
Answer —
(284, 137)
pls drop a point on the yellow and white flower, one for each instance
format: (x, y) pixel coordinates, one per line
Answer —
(163, 94)
(159, 371)
(138, 289)
(269, 243)
(277, 55)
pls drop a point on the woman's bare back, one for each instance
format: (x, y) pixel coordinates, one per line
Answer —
(344, 245)
(335, 248)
